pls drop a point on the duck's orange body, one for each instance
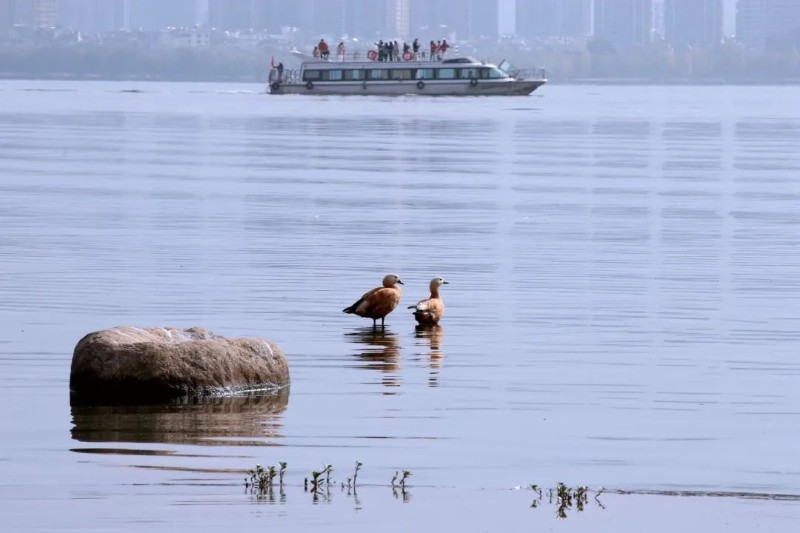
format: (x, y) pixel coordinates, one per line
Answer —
(430, 311)
(378, 302)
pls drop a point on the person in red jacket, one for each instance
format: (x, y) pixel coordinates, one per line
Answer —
(443, 48)
(324, 51)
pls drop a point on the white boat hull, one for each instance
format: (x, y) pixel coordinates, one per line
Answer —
(408, 87)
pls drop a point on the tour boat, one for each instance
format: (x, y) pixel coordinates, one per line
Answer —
(461, 76)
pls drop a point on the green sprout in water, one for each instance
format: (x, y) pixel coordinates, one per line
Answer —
(260, 480)
(328, 469)
(355, 474)
(565, 498)
(406, 474)
(315, 481)
(282, 472)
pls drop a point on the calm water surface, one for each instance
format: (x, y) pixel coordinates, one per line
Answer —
(623, 307)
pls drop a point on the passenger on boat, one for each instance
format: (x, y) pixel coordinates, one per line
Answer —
(381, 50)
(324, 51)
(443, 48)
(280, 72)
(434, 48)
(415, 47)
(390, 50)
(340, 51)
(315, 53)
(396, 51)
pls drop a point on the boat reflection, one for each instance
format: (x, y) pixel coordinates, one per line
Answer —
(231, 420)
(379, 349)
(431, 337)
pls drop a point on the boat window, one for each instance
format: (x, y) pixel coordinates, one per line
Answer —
(354, 74)
(378, 74)
(447, 74)
(492, 73)
(426, 73)
(312, 75)
(402, 74)
(468, 73)
(332, 75)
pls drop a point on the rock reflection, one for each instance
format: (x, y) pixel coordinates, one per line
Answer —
(432, 337)
(379, 350)
(212, 421)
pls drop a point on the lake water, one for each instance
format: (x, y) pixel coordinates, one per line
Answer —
(623, 308)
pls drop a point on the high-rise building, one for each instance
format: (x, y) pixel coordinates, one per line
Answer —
(553, 18)
(160, 14)
(228, 15)
(758, 20)
(92, 15)
(7, 17)
(365, 19)
(35, 13)
(693, 22)
(464, 19)
(398, 18)
(482, 20)
(624, 22)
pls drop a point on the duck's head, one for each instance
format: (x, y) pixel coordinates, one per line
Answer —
(437, 282)
(390, 280)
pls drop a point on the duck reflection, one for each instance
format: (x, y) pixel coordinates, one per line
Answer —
(431, 337)
(379, 350)
(212, 421)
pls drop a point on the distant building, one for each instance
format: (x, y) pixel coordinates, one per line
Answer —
(624, 22)
(366, 20)
(693, 22)
(658, 18)
(35, 13)
(759, 20)
(92, 16)
(334, 18)
(544, 19)
(185, 38)
(150, 15)
(460, 19)
(7, 18)
(398, 18)
(230, 15)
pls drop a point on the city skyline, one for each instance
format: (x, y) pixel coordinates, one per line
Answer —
(623, 22)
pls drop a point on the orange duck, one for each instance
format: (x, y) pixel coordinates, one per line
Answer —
(378, 302)
(429, 312)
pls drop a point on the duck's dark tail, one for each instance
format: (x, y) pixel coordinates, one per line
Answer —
(352, 309)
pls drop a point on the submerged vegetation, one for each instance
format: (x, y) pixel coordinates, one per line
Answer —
(261, 483)
(566, 498)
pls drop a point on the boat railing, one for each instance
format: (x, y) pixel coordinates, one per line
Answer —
(529, 74)
(374, 55)
(288, 77)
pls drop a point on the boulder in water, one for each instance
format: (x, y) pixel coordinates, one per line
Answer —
(144, 364)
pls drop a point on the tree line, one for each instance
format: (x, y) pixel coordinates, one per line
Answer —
(656, 63)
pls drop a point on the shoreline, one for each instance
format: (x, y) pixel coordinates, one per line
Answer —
(259, 80)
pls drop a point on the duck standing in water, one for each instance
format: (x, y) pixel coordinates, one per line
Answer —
(378, 302)
(429, 312)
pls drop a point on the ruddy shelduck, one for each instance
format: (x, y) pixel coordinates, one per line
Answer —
(378, 302)
(429, 312)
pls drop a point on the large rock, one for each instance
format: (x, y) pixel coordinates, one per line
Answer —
(145, 364)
